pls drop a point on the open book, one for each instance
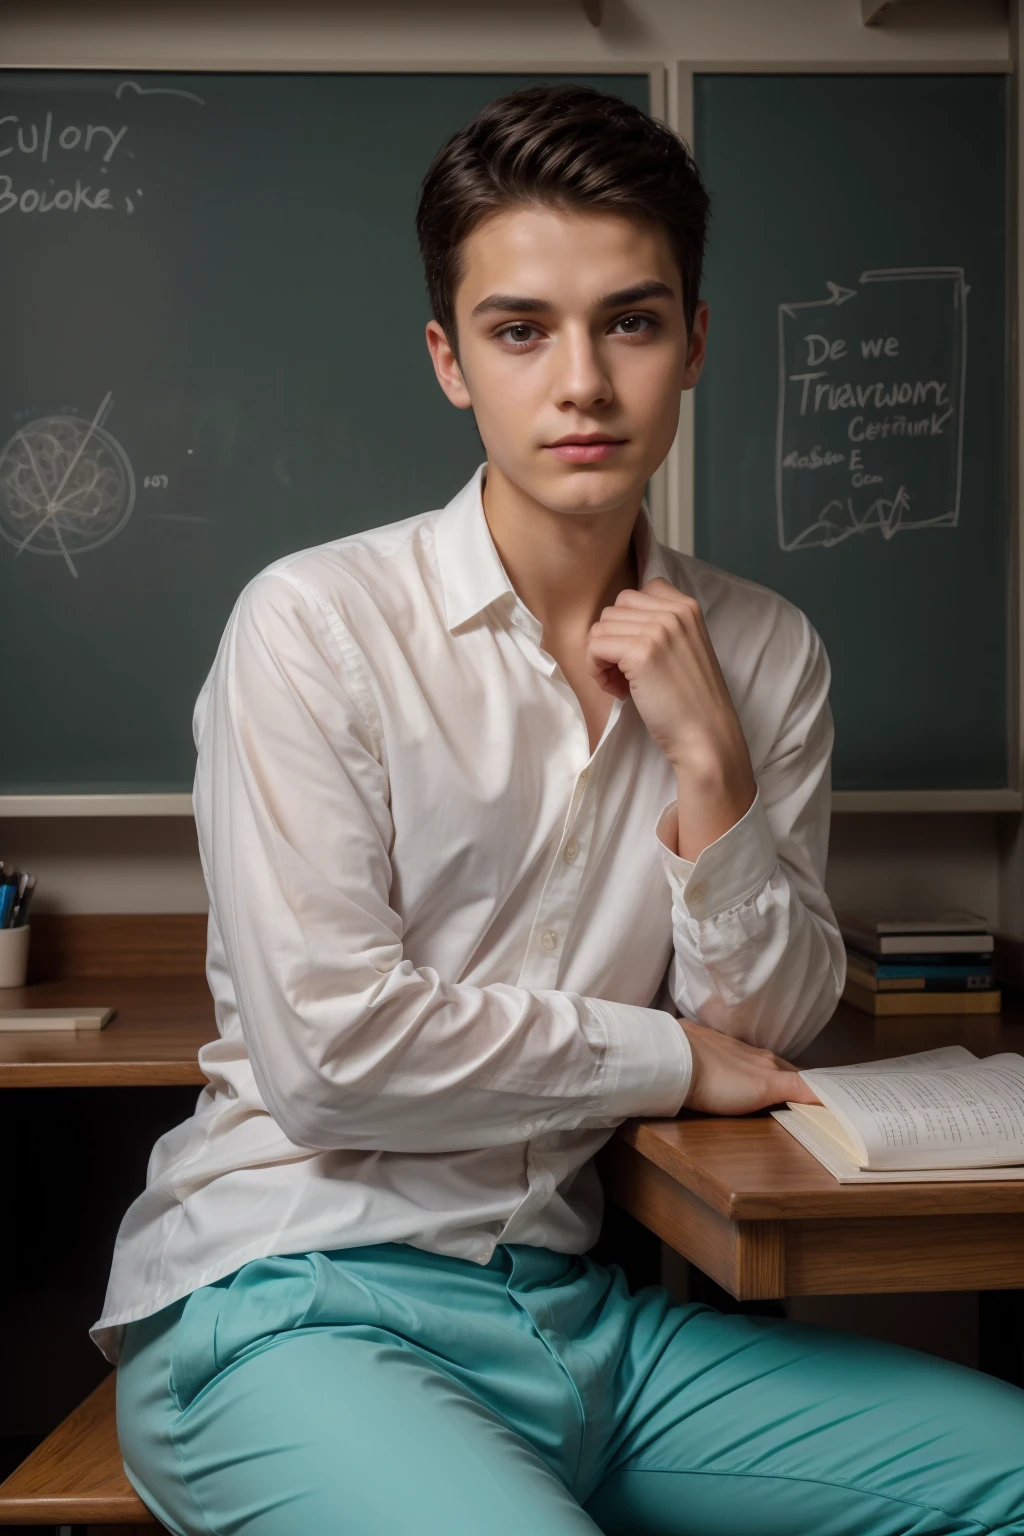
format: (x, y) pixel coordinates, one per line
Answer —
(942, 1114)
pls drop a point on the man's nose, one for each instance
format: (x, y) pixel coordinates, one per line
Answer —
(582, 378)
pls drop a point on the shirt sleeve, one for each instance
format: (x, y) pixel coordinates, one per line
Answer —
(757, 951)
(351, 1044)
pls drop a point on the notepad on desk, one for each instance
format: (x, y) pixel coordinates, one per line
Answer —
(938, 1115)
(18, 1019)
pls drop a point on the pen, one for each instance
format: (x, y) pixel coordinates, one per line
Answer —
(21, 915)
(8, 896)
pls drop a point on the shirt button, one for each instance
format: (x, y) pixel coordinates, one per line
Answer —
(550, 939)
(525, 1127)
(572, 848)
(697, 891)
(584, 776)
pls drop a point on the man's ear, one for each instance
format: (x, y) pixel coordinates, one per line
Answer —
(698, 346)
(446, 366)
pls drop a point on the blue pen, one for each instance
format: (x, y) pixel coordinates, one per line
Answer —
(8, 896)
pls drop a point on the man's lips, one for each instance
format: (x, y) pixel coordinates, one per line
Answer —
(586, 453)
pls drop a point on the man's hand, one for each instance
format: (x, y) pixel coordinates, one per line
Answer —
(654, 645)
(733, 1078)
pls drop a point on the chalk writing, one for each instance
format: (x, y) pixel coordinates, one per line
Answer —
(77, 153)
(871, 384)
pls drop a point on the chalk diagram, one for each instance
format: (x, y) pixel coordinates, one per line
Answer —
(870, 412)
(66, 486)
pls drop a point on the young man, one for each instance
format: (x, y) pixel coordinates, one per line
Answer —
(471, 788)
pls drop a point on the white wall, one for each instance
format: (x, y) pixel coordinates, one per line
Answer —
(149, 865)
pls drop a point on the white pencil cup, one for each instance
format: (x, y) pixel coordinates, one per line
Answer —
(14, 955)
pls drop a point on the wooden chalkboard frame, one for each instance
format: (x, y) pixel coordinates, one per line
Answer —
(681, 462)
(180, 804)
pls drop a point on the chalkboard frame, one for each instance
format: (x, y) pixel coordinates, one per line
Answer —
(656, 70)
(681, 462)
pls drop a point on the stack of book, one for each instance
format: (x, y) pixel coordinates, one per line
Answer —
(941, 963)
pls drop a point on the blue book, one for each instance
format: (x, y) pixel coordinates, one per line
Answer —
(922, 965)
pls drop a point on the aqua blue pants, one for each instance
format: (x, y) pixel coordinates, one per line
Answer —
(386, 1391)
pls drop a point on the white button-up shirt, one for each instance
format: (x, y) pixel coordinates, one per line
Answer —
(448, 943)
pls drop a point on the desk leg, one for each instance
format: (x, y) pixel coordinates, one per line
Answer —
(1001, 1335)
(747, 1257)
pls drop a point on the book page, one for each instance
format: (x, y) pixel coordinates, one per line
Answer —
(847, 1172)
(955, 1116)
(917, 1061)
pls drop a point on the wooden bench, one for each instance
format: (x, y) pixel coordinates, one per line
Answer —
(75, 1479)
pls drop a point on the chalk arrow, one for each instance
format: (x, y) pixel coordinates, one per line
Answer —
(837, 295)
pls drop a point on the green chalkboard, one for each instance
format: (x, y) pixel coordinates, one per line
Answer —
(212, 311)
(852, 419)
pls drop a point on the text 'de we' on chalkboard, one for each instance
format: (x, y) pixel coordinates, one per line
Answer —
(870, 407)
(852, 443)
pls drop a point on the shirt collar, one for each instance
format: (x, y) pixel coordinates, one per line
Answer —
(472, 575)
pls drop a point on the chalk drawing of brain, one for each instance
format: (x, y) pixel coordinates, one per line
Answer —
(66, 485)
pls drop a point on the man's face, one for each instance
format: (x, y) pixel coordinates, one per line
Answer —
(556, 342)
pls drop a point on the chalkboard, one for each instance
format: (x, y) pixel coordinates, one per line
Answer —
(852, 419)
(212, 310)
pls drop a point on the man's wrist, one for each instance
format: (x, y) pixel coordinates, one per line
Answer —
(707, 811)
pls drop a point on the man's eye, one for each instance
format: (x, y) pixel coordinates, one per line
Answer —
(645, 321)
(517, 325)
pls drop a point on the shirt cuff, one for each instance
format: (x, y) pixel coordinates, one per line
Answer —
(728, 871)
(647, 1063)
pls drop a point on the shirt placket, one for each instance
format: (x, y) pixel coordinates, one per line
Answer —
(546, 945)
(542, 963)
(543, 959)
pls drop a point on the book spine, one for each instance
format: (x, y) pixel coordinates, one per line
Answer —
(882, 926)
(920, 944)
(920, 983)
(888, 1003)
(921, 965)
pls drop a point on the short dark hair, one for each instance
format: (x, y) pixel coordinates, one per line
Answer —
(566, 146)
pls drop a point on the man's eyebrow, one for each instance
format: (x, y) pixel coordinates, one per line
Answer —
(507, 303)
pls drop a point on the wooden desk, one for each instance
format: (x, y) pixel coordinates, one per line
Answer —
(150, 967)
(153, 1039)
(745, 1203)
(738, 1197)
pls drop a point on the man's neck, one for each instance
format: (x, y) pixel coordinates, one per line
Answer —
(565, 567)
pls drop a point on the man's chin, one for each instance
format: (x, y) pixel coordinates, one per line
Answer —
(587, 487)
(574, 489)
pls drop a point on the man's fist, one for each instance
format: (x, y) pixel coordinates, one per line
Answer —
(733, 1078)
